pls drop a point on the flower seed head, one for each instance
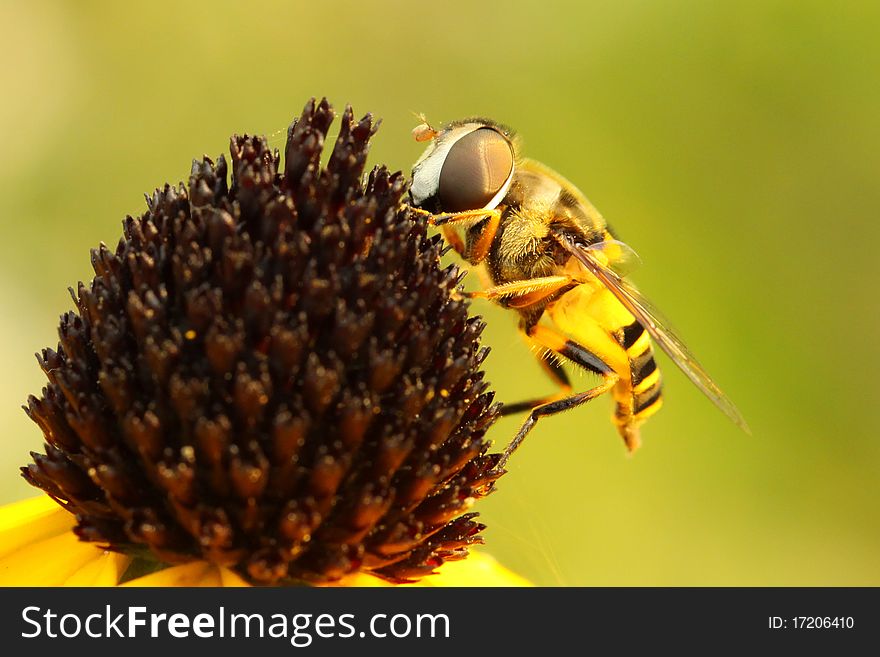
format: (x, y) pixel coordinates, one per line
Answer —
(272, 374)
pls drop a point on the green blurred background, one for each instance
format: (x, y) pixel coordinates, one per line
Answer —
(736, 146)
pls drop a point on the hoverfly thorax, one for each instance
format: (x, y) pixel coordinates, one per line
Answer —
(468, 165)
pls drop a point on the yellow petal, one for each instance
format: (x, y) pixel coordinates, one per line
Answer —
(231, 578)
(478, 569)
(360, 580)
(49, 562)
(197, 573)
(103, 571)
(32, 520)
(38, 548)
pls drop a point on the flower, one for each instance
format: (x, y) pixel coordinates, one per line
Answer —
(37, 548)
(270, 380)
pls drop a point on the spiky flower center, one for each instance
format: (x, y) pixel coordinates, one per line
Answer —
(272, 375)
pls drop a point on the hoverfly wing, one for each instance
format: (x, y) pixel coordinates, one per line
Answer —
(620, 257)
(656, 324)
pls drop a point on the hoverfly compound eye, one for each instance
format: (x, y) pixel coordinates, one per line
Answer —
(476, 169)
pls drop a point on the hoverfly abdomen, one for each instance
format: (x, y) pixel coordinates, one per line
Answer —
(642, 395)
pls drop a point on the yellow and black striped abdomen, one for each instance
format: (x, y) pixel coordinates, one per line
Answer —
(647, 385)
(594, 318)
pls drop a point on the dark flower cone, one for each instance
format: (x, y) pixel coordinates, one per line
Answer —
(272, 375)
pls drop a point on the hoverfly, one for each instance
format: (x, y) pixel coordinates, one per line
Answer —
(552, 258)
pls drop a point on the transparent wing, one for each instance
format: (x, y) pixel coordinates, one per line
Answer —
(654, 322)
(617, 256)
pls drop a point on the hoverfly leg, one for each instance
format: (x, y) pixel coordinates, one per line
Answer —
(471, 216)
(580, 356)
(479, 249)
(454, 240)
(421, 212)
(553, 367)
(554, 370)
(521, 294)
(551, 409)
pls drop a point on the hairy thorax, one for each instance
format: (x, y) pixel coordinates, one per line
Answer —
(523, 248)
